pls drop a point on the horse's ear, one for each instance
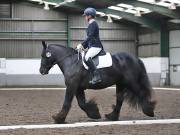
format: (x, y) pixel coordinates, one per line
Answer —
(44, 44)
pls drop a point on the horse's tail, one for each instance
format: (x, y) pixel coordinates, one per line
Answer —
(141, 93)
(147, 96)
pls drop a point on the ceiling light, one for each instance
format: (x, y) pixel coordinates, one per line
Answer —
(132, 11)
(100, 13)
(115, 16)
(125, 6)
(46, 6)
(109, 19)
(144, 10)
(116, 8)
(149, 1)
(138, 13)
(70, 0)
(41, 2)
(64, 2)
(172, 6)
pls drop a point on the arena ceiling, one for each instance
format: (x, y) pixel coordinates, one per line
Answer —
(150, 13)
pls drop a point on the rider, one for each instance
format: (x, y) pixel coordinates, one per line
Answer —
(92, 42)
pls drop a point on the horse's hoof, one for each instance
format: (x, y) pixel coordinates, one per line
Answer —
(112, 117)
(148, 109)
(58, 120)
(96, 116)
(92, 110)
(148, 113)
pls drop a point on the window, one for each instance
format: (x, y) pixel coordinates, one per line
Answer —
(5, 10)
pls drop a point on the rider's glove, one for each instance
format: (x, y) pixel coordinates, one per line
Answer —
(79, 47)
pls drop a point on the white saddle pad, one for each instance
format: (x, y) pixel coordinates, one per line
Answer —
(104, 61)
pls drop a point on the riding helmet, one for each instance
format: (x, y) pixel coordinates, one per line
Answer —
(90, 11)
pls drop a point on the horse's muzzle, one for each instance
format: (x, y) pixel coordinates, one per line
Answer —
(43, 71)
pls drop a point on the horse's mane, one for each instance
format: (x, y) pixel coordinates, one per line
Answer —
(70, 49)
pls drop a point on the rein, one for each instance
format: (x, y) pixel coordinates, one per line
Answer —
(69, 54)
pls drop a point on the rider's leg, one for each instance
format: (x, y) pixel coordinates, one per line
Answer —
(92, 52)
(96, 78)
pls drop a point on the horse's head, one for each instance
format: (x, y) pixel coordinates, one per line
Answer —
(47, 59)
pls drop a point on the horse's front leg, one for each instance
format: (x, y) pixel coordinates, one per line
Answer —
(61, 116)
(89, 107)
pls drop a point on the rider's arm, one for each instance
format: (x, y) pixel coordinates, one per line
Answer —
(91, 31)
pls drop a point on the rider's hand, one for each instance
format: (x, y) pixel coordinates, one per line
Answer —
(79, 46)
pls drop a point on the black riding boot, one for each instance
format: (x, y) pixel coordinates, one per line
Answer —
(96, 78)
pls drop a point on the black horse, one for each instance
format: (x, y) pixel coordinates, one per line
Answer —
(127, 73)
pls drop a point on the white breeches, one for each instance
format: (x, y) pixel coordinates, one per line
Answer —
(92, 52)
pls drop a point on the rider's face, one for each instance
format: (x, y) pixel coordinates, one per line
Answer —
(87, 18)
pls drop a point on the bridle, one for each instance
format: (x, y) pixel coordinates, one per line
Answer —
(64, 57)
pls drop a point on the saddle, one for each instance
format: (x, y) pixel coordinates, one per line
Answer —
(101, 60)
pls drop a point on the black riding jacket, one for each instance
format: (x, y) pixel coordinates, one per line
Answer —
(92, 39)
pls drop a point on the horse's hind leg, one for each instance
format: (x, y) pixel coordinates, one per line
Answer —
(90, 107)
(114, 115)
